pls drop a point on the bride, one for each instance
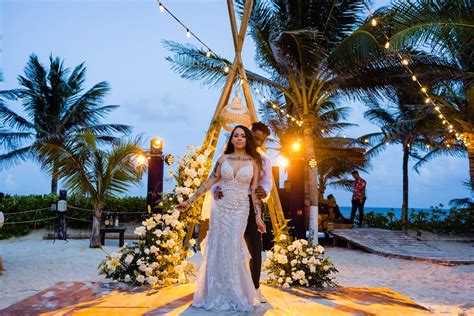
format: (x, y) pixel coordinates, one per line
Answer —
(224, 281)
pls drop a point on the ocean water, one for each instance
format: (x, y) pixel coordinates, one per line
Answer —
(346, 210)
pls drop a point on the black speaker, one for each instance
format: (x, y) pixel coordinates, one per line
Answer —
(296, 212)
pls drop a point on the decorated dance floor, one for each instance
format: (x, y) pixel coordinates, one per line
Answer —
(77, 298)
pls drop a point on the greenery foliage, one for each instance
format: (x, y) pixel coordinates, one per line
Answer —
(16, 203)
(436, 220)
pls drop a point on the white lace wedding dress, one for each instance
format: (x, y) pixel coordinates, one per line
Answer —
(224, 281)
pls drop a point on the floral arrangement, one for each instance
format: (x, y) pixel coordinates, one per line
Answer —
(298, 263)
(159, 256)
(192, 171)
(157, 259)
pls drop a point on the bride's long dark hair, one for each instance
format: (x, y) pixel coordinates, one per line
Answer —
(250, 145)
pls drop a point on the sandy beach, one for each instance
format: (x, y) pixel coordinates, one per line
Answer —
(32, 264)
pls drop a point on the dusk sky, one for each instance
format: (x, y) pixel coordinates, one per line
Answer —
(120, 41)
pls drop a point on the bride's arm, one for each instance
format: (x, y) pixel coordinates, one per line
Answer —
(213, 179)
(257, 203)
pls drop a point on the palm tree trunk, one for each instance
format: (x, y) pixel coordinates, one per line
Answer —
(405, 188)
(470, 139)
(54, 179)
(322, 188)
(95, 234)
(309, 122)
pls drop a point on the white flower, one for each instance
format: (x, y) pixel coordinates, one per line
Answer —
(277, 248)
(192, 242)
(154, 249)
(283, 237)
(147, 251)
(282, 272)
(297, 244)
(201, 159)
(149, 223)
(304, 241)
(142, 267)
(152, 280)
(325, 268)
(288, 280)
(319, 249)
(187, 171)
(140, 231)
(286, 285)
(158, 233)
(304, 261)
(197, 181)
(190, 253)
(149, 271)
(293, 262)
(291, 247)
(201, 171)
(127, 278)
(170, 242)
(266, 263)
(281, 259)
(140, 279)
(188, 183)
(128, 259)
(312, 268)
(139, 262)
(280, 280)
(180, 199)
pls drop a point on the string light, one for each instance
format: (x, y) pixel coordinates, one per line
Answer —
(188, 34)
(162, 8)
(374, 22)
(428, 99)
(208, 54)
(226, 69)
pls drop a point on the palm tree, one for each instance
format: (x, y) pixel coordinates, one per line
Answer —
(336, 156)
(93, 172)
(312, 51)
(56, 107)
(447, 28)
(408, 123)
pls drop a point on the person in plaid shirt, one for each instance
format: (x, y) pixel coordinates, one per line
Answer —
(358, 197)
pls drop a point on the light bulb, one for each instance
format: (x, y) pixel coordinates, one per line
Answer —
(423, 89)
(387, 45)
(413, 78)
(162, 8)
(226, 69)
(374, 22)
(427, 100)
(405, 62)
(188, 34)
(208, 54)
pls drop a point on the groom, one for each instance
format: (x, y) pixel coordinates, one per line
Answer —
(253, 237)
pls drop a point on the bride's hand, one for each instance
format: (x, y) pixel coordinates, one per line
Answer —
(183, 206)
(261, 227)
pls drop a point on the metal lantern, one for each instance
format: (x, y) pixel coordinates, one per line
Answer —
(235, 113)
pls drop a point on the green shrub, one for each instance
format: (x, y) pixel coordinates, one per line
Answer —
(16, 203)
(436, 220)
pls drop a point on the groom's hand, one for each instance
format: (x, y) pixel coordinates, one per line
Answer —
(217, 193)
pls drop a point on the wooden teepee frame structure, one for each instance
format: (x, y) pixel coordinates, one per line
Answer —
(212, 135)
